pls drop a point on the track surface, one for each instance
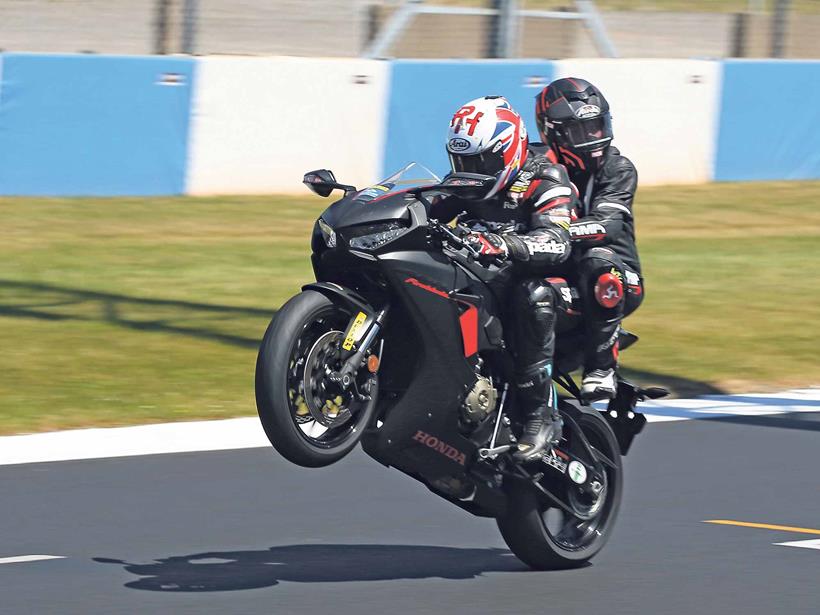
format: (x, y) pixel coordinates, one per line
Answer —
(245, 532)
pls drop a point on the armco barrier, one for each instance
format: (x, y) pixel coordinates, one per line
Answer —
(425, 94)
(769, 121)
(260, 123)
(93, 125)
(664, 113)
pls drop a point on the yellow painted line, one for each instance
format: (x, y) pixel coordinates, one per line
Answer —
(765, 526)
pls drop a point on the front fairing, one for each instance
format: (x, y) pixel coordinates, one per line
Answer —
(385, 201)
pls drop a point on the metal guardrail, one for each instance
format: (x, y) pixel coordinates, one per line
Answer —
(510, 17)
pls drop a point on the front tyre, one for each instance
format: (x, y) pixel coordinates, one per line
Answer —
(307, 420)
(544, 536)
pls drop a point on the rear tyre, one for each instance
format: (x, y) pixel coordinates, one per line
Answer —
(307, 421)
(544, 536)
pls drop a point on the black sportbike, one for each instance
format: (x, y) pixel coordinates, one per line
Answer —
(399, 345)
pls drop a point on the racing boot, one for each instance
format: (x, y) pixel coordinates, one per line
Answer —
(542, 426)
(599, 384)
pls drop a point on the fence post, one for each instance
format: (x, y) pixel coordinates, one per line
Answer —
(502, 32)
(780, 27)
(739, 35)
(190, 12)
(596, 27)
(491, 49)
(161, 27)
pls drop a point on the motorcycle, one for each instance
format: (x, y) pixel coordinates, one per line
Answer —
(399, 345)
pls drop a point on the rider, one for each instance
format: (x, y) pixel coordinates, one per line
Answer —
(525, 218)
(574, 122)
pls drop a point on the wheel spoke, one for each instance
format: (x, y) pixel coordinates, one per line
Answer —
(313, 429)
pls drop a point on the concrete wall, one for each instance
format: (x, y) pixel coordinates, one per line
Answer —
(260, 123)
(125, 125)
(94, 125)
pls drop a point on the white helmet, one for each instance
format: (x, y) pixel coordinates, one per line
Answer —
(487, 136)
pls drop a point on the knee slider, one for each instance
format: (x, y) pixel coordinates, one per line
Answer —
(535, 294)
(609, 289)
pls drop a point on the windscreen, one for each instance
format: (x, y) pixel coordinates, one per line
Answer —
(411, 176)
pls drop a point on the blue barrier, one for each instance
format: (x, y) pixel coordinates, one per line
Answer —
(424, 95)
(94, 125)
(769, 120)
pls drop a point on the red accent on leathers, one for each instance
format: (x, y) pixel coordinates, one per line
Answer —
(559, 200)
(609, 290)
(533, 186)
(484, 245)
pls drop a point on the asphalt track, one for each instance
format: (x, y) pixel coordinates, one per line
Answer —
(243, 531)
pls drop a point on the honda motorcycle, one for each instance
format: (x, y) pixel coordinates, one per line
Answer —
(399, 345)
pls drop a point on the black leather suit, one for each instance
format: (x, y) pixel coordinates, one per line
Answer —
(603, 238)
(533, 216)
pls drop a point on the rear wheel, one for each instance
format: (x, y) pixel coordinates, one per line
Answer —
(545, 536)
(308, 418)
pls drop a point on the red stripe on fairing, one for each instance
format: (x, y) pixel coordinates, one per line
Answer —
(427, 287)
(468, 320)
(636, 290)
(469, 329)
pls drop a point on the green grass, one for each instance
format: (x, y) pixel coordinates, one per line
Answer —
(122, 311)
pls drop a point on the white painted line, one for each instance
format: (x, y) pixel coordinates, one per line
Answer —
(242, 433)
(803, 544)
(185, 437)
(19, 559)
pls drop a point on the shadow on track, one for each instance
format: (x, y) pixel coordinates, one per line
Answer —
(216, 323)
(331, 563)
(802, 421)
(50, 302)
(677, 386)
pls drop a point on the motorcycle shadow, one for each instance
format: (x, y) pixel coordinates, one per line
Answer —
(313, 563)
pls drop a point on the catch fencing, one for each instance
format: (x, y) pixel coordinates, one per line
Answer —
(452, 29)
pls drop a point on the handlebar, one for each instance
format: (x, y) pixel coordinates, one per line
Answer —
(445, 233)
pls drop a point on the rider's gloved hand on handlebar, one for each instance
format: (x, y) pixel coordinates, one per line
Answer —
(488, 245)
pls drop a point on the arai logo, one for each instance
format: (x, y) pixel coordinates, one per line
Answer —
(458, 145)
(587, 111)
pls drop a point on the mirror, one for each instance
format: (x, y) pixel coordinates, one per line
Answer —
(323, 182)
(471, 186)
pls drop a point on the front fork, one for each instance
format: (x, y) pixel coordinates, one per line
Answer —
(362, 331)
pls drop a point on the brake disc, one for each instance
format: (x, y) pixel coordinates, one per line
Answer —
(326, 404)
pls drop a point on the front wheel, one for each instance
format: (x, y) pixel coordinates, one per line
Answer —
(308, 419)
(545, 536)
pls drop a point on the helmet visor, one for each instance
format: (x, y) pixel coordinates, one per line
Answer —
(485, 163)
(585, 133)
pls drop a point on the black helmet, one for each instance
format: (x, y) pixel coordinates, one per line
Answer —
(573, 119)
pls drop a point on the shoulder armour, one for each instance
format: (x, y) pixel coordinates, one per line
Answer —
(544, 169)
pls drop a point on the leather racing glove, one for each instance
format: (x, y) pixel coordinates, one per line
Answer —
(488, 245)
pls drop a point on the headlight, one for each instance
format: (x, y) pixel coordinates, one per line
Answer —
(372, 236)
(328, 233)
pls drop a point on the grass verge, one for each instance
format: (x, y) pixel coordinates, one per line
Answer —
(123, 311)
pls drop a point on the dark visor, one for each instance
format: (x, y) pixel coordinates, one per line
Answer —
(486, 163)
(588, 132)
